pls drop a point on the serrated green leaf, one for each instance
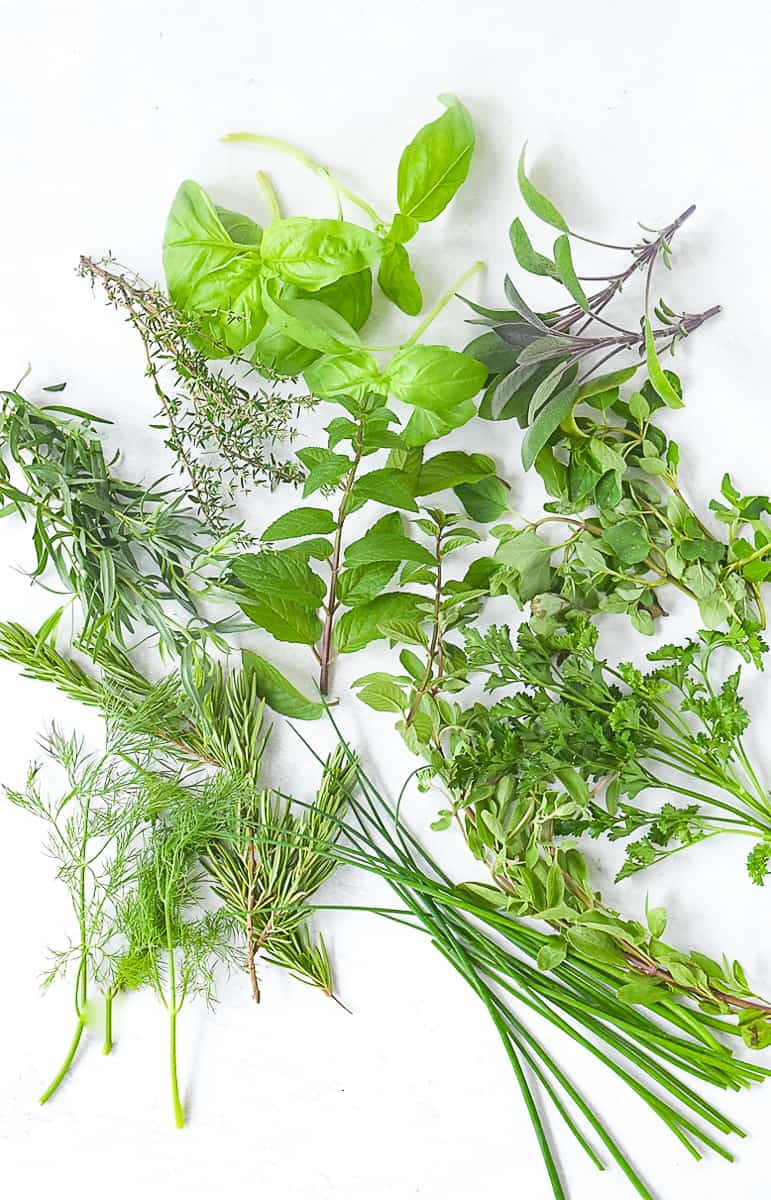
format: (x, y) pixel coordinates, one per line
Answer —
(299, 523)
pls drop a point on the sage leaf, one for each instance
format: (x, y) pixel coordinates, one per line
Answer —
(547, 423)
(536, 201)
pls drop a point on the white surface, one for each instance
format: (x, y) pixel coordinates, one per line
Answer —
(631, 113)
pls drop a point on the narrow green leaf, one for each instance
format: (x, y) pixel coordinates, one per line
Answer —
(277, 691)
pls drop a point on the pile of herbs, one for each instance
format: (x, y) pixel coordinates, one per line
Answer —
(179, 857)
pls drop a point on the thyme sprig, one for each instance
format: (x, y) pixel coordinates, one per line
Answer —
(221, 432)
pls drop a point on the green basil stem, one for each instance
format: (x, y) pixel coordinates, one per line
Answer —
(269, 193)
(442, 303)
(338, 188)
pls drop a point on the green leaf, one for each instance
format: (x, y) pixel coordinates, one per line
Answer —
(383, 695)
(528, 258)
(642, 991)
(357, 585)
(563, 259)
(595, 945)
(310, 323)
(325, 468)
(386, 485)
(397, 280)
(241, 229)
(547, 423)
(555, 886)
(657, 920)
(435, 163)
(450, 469)
(279, 574)
(412, 665)
(298, 523)
(551, 954)
(661, 380)
(484, 501)
(536, 201)
(574, 784)
(284, 620)
(403, 229)
(209, 275)
(434, 378)
(424, 426)
(342, 374)
(313, 252)
(277, 692)
(386, 542)
(365, 623)
(629, 541)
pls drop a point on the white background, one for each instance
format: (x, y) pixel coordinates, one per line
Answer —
(632, 112)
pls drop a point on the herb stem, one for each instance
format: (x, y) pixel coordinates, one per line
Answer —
(108, 999)
(57, 1079)
(442, 303)
(325, 649)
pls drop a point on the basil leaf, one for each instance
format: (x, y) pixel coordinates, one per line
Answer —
(279, 573)
(209, 275)
(283, 620)
(382, 694)
(434, 378)
(241, 229)
(386, 542)
(342, 374)
(357, 585)
(397, 281)
(536, 201)
(276, 690)
(435, 163)
(310, 323)
(450, 469)
(403, 229)
(313, 252)
(424, 426)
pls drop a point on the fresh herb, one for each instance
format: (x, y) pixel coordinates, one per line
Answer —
(677, 728)
(266, 874)
(221, 432)
(497, 956)
(123, 549)
(541, 365)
